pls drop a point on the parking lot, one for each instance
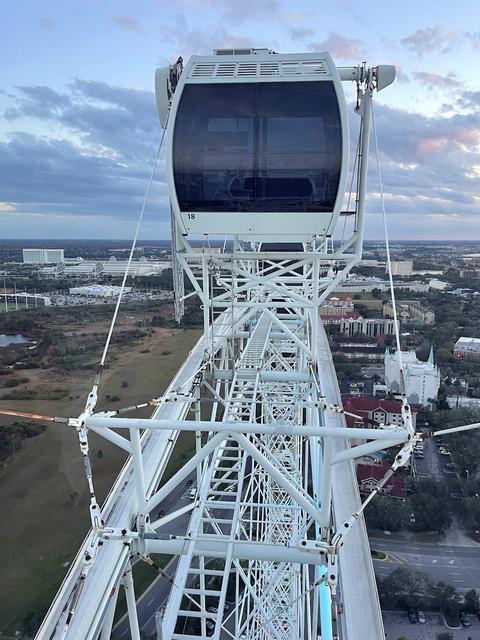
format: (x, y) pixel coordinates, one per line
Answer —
(397, 625)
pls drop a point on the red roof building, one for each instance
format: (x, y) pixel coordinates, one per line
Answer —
(369, 475)
(374, 411)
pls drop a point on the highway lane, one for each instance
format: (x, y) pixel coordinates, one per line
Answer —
(157, 594)
(456, 565)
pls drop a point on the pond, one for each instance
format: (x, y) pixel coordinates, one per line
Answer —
(6, 340)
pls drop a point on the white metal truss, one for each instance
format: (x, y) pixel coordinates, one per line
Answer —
(261, 556)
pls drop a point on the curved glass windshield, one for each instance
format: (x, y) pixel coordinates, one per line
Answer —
(273, 146)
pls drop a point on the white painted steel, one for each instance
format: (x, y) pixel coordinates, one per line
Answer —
(276, 490)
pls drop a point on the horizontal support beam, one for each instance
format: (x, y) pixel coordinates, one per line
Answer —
(245, 550)
(268, 376)
(362, 450)
(230, 428)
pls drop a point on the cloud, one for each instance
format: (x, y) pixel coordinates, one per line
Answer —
(46, 23)
(7, 206)
(98, 142)
(99, 165)
(437, 81)
(431, 39)
(474, 38)
(202, 41)
(301, 33)
(127, 23)
(427, 162)
(341, 47)
(233, 12)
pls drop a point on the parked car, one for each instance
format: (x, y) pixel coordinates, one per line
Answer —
(412, 616)
(193, 493)
(188, 483)
(464, 619)
(421, 617)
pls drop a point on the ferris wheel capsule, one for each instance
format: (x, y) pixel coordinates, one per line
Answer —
(257, 144)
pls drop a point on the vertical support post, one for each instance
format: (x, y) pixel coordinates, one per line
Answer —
(326, 612)
(158, 622)
(198, 434)
(131, 603)
(206, 301)
(366, 115)
(108, 622)
(5, 292)
(315, 311)
(326, 486)
(177, 274)
(138, 474)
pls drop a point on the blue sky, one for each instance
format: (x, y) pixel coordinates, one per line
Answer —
(79, 126)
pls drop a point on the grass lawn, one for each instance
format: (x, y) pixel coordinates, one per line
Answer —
(43, 494)
(365, 298)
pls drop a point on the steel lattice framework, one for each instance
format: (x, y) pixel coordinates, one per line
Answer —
(275, 541)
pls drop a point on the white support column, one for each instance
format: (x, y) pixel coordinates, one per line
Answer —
(326, 486)
(138, 472)
(108, 622)
(131, 603)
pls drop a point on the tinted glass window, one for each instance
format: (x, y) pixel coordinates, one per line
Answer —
(258, 147)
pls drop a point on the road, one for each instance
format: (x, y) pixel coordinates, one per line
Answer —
(157, 594)
(458, 566)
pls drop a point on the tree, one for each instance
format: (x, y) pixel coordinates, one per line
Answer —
(405, 587)
(429, 507)
(472, 601)
(446, 598)
(386, 513)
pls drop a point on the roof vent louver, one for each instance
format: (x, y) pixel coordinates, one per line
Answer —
(254, 69)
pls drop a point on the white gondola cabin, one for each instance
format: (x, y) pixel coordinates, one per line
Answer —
(257, 144)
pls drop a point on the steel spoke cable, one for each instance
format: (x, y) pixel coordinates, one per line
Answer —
(389, 263)
(129, 262)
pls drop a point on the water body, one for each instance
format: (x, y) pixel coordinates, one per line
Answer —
(17, 338)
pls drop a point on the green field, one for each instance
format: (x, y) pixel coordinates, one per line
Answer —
(43, 494)
(365, 298)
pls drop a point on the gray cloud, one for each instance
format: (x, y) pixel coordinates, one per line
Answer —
(186, 41)
(341, 47)
(474, 38)
(233, 13)
(100, 167)
(301, 32)
(127, 23)
(100, 164)
(437, 81)
(431, 39)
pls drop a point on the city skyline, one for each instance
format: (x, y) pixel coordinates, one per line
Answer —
(80, 128)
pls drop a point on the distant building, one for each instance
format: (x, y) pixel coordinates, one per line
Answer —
(467, 348)
(359, 348)
(369, 475)
(469, 274)
(98, 291)
(438, 285)
(106, 268)
(370, 327)
(462, 401)
(410, 311)
(334, 310)
(374, 411)
(401, 267)
(422, 379)
(359, 284)
(43, 256)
